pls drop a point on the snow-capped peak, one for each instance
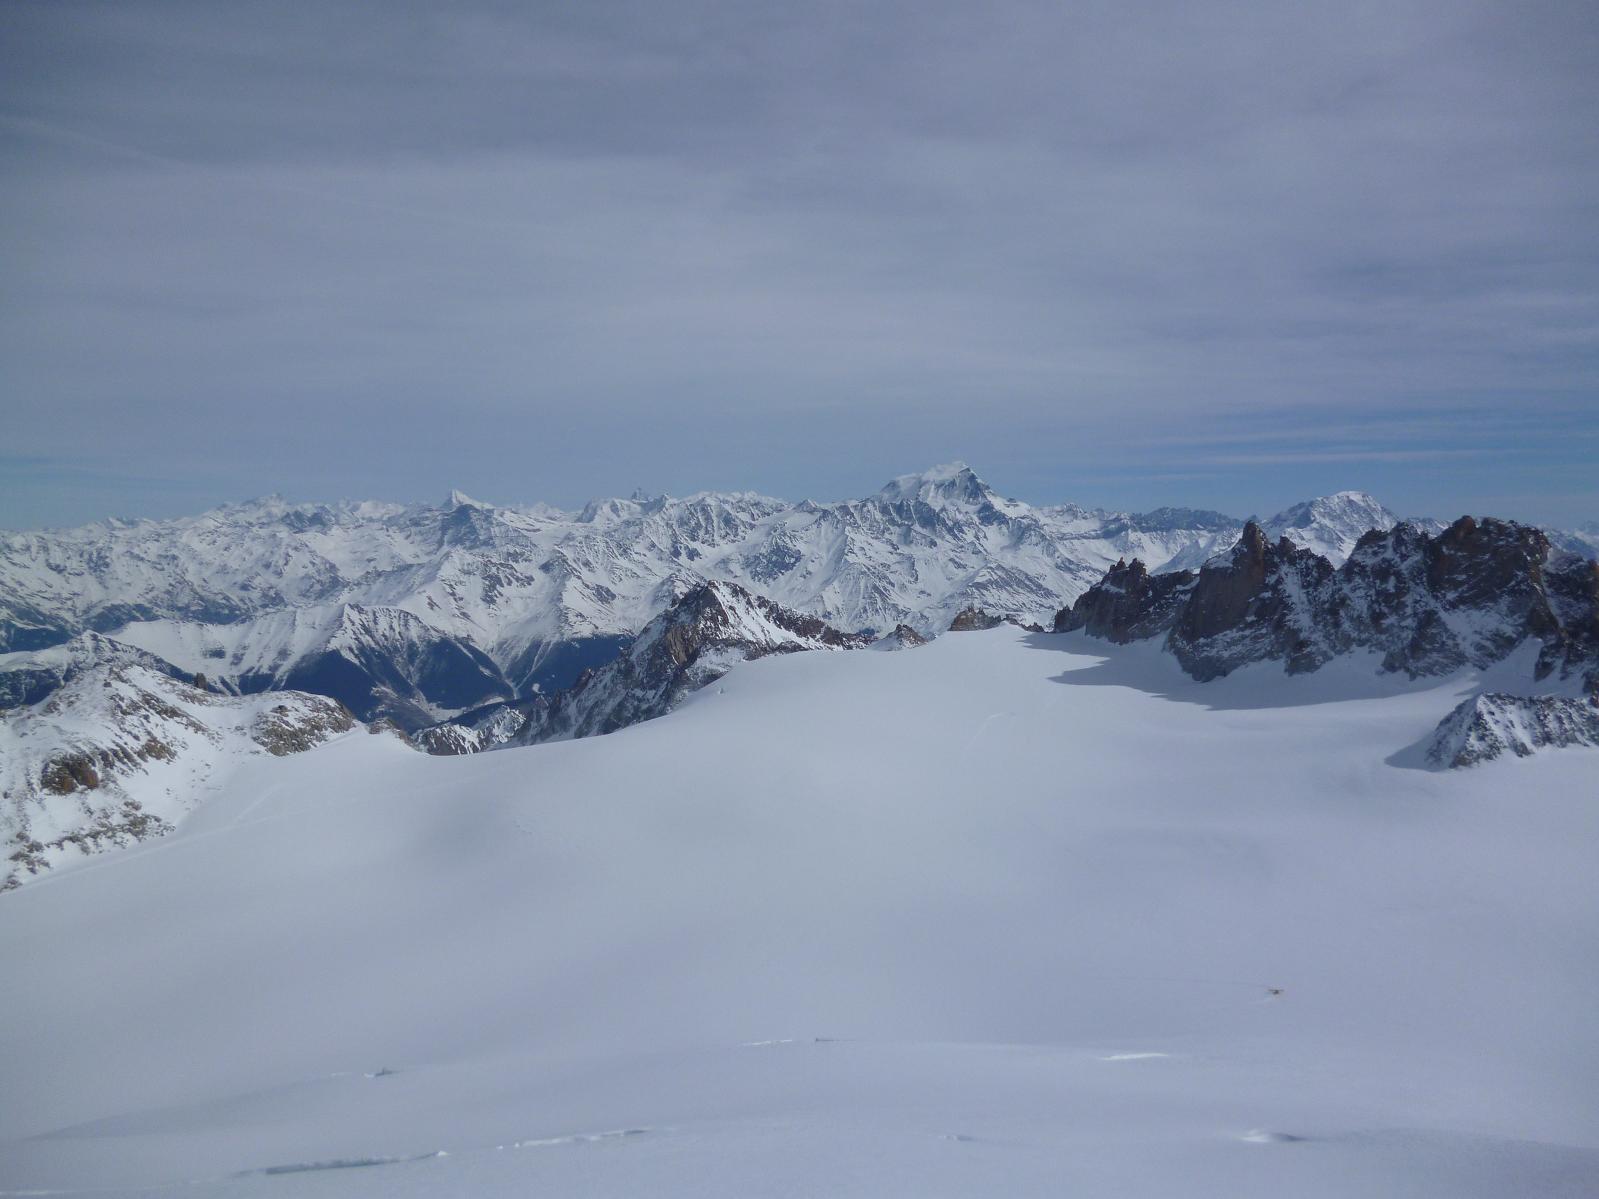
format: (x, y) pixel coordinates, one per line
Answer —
(459, 499)
(517, 582)
(1331, 524)
(1339, 505)
(950, 482)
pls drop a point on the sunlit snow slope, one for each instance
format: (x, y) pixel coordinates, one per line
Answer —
(997, 915)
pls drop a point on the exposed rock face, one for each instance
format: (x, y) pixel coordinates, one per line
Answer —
(1467, 597)
(120, 752)
(1260, 603)
(285, 729)
(487, 728)
(1572, 585)
(973, 620)
(696, 641)
(1128, 604)
(1492, 725)
(903, 637)
(1428, 605)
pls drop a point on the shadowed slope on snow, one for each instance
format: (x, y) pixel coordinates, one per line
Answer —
(696, 641)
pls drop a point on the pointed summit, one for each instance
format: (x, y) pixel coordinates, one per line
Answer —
(459, 499)
(1332, 524)
(949, 483)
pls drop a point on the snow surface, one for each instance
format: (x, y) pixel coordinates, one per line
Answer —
(158, 747)
(1010, 914)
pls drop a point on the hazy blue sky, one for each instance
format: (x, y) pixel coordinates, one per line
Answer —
(1223, 254)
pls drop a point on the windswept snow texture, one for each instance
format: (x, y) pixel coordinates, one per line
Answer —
(863, 924)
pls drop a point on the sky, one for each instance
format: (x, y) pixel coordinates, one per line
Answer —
(1228, 255)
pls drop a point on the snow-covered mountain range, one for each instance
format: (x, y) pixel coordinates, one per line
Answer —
(424, 611)
(1418, 604)
(694, 642)
(478, 627)
(379, 662)
(1186, 897)
(1489, 596)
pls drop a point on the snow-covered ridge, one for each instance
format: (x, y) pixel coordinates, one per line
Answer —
(31, 675)
(512, 580)
(417, 612)
(1582, 540)
(120, 752)
(380, 662)
(1330, 526)
(696, 641)
(1492, 725)
(1424, 605)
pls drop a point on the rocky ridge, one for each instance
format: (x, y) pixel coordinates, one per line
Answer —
(703, 635)
(120, 752)
(543, 595)
(1426, 605)
(31, 676)
(1492, 725)
(380, 662)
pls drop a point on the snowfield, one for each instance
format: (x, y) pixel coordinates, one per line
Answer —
(1002, 914)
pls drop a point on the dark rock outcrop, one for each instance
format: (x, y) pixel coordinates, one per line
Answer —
(1128, 604)
(1262, 602)
(285, 730)
(973, 620)
(1489, 726)
(902, 637)
(1426, 605)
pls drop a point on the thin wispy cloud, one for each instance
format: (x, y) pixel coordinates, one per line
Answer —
(564, 250)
